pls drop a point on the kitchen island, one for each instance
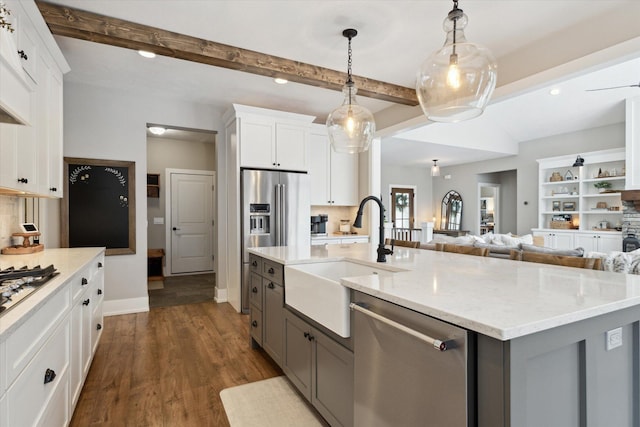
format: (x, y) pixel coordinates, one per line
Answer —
(547, 345)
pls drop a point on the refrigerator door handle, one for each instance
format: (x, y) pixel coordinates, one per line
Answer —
(283, 217)
(278, 215)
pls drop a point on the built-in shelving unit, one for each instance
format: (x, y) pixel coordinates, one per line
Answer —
(569, 201)
(153, 185)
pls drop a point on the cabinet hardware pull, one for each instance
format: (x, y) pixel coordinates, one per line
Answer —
(53, 189)
(23, 180)
(271, 271)
(254, 323)
(86, 302)
(271, 285)
(306, 335)
(99, 291)
(49, 375)
(99, 265)
(254, 290)
(23, 55)
(254, 263)
(437, 344)
(84, 281)
(98, 326)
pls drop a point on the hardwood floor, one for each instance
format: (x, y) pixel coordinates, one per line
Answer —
(168, 366)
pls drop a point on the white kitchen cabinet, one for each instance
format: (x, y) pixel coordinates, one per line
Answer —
(3, 410)
(15, 88)
(599, 242)
(333, 176)
(49, 112)
(335, 240)
(557, 239)
(272, 139)
(27, 46)
(86, 323)
(31, 156)
(40, 395)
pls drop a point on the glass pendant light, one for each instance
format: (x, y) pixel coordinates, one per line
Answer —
(351, 126)
(435, 169)
(455, 83)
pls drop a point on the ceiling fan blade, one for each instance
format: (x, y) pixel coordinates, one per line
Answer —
(614, 87)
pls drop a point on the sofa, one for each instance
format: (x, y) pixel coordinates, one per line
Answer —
(500, 245)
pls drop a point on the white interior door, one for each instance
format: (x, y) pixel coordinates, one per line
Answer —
(191, 223)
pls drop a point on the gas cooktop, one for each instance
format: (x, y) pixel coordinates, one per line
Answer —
(16, 284)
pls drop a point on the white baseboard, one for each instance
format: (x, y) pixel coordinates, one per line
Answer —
(125, 306)
(220, 295)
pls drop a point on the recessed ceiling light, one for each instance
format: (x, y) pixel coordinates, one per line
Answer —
(555, 91)
(280, 81)
(157, 130)
(147, 54)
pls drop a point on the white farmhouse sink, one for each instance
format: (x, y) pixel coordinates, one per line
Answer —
(315, 291)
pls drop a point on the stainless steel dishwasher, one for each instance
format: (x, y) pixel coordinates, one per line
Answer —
(410, 369)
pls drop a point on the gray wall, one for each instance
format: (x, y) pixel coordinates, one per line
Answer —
(464, 178)
(106, 123)
(163, 153)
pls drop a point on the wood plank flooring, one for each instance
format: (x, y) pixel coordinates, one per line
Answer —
(168, 366)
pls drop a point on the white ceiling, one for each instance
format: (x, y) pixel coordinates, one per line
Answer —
(395, 36)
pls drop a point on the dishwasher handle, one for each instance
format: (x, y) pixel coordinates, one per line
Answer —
(435, 343)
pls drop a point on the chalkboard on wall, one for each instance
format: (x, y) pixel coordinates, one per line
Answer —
(98, 208)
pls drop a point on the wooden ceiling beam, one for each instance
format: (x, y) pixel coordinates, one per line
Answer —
(75, 23)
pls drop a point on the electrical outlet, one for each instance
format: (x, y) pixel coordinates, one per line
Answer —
(613, 338)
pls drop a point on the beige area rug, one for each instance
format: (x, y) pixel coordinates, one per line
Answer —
(268, 403)
(155, 284)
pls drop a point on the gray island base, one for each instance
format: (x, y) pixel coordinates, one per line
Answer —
(528, 345)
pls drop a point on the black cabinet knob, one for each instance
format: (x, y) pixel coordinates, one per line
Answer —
(84, 281)
(254, 263)
(99, 291)
(98, 326)
(254, 323)
(53, 189)
(271, 271)
(86, 302)
(49, 375)
(271, 285)
(99, 265)
(23, 55)
(254, 290)
(23, 180)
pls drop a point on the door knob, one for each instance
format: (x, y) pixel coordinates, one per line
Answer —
(175, 228)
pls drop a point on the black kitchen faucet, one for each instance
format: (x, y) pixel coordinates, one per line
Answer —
(382, 251)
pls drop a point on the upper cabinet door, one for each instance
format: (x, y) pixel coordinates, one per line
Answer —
(291, 146)
(257, 142)
(344, 178)
(319, 169)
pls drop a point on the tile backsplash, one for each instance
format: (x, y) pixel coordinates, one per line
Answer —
(9, 219)
(336, 213)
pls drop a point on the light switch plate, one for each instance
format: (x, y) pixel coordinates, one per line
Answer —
(158, 220)
(613, 338)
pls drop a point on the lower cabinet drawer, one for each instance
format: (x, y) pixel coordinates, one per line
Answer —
(25, 341)
(41, 390)
(256, 325)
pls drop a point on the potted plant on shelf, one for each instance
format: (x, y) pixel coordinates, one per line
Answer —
(603, 186)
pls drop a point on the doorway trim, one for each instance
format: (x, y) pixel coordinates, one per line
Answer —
(168, 222)
(496, 212)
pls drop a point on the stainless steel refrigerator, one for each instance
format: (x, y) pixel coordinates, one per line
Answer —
(276, 208)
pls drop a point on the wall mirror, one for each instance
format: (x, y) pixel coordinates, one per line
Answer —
(451, 213)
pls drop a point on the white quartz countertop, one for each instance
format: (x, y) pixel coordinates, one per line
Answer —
(66, 261)
(500, 298)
